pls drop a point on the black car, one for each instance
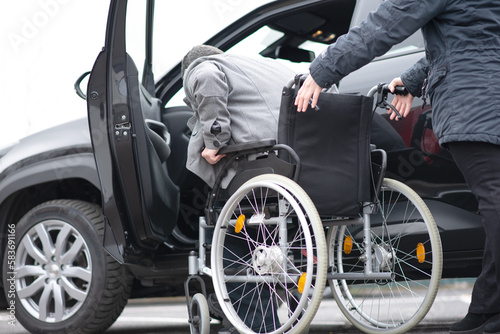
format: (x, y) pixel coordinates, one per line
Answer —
(85, 229)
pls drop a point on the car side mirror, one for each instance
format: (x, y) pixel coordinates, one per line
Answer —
(77, 86)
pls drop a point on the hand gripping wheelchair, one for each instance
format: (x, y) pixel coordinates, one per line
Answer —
(313, 209)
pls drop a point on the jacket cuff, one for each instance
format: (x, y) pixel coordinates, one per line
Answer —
(414, 77)
(215, 141)
(319, 75)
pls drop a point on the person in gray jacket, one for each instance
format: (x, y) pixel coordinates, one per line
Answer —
(235, 99)
(460, 74)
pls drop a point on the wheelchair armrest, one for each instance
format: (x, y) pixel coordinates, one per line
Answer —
(250, 146)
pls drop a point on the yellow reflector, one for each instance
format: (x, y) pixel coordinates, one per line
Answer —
(420, 253)
(348, 244)
(302, 282)
(239, 224)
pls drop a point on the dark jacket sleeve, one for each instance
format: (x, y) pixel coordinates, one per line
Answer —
(390, 24)
(413, 78)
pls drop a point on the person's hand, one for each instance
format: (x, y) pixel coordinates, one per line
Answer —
(309, 89)
(401, 102)
(211, 156)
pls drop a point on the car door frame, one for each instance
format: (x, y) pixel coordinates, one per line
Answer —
(125, 239)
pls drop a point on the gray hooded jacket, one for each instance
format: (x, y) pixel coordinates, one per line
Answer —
(462, 62)
(242, 95)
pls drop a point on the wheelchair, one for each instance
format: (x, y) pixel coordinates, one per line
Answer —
(272, 251)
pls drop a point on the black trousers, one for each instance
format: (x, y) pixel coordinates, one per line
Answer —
(480, 165)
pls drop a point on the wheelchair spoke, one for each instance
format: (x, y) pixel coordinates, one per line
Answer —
(269, 246)
(405, 242)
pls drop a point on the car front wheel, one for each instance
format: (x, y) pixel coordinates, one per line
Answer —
(62, 280)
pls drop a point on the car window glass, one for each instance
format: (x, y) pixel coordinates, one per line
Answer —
(255, 43)
(250, 47)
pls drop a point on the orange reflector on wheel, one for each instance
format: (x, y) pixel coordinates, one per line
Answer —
(239, 224)
(348, 244)
(420, 253)
(302, 282)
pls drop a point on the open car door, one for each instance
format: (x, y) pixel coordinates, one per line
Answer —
(139, 200)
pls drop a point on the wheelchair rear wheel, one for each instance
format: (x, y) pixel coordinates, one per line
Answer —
(404, 241)
(269, 257)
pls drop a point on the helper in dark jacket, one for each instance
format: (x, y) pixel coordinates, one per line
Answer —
(462, 68)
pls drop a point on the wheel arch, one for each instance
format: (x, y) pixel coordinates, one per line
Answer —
(68, 177)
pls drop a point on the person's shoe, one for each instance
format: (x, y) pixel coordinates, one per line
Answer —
(473, 323)
(492, 327)
(227, 330)
(214, 307)
(217, 313)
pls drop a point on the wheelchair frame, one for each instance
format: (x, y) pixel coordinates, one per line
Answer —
(376, 264)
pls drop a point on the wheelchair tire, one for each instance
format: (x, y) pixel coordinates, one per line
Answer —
(200, 315)
(406, 242)
(268, 244)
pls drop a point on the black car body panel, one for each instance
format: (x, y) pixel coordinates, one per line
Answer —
(50, 151)
(45, 166)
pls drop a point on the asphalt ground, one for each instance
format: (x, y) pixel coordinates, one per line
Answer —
(169, 315)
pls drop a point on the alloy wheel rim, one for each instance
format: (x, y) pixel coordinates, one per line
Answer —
(53, 271)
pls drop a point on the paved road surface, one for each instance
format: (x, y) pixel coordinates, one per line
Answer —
(169, 315)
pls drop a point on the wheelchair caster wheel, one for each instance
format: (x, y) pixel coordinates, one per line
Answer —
(199, 323)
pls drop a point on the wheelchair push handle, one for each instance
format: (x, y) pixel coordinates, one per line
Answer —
(382, 91)
(398, 90)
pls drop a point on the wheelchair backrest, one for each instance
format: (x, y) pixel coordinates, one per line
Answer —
(333, 144)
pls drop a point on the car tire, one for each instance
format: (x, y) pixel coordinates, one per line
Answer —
(62, 280)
